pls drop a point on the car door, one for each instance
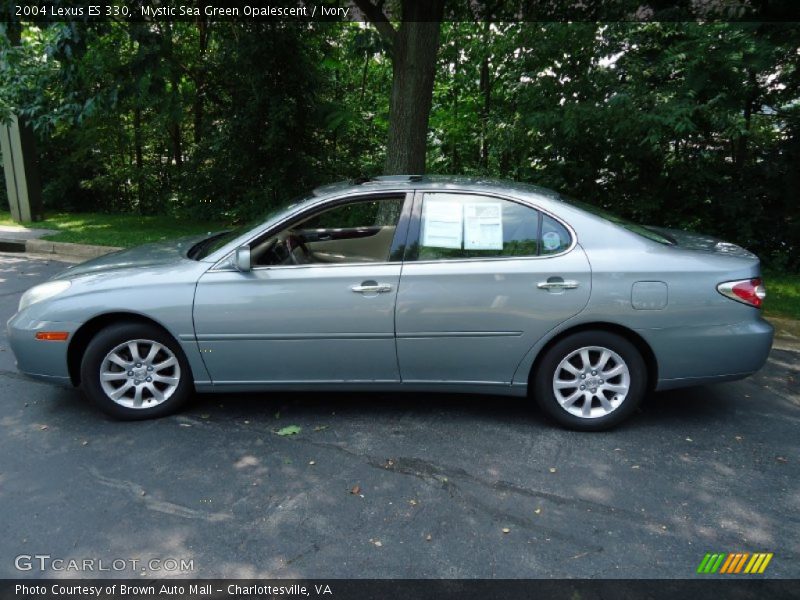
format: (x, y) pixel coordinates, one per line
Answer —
(484, 278)
(327, 319)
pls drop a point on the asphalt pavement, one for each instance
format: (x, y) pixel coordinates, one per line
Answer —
(394, 485)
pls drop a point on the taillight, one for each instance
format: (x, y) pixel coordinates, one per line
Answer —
(747, 291)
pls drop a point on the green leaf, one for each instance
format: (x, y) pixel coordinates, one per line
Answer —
(289, 430)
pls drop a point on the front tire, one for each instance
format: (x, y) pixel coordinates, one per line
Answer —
(135, 371)
(590, 381)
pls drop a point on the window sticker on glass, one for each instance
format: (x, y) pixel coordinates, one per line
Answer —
(483, 226)
(551, 240)
(442, 224)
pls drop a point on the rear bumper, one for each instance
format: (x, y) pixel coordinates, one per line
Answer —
(708, 354)
(41, 360)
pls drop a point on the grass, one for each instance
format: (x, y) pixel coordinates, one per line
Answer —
(783, 294)
(115, 230)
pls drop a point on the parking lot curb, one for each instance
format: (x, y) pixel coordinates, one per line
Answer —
(40, 246)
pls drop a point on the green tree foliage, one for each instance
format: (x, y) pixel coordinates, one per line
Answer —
(681, 124)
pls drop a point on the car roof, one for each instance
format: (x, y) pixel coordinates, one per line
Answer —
(434, 182)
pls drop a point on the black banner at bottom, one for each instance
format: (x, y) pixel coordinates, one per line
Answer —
(399, 589)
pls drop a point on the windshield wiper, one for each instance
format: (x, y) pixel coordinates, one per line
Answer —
(196, 250)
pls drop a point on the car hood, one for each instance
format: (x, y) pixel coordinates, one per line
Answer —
(147, 255)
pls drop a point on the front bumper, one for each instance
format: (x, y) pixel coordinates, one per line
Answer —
(42, 360)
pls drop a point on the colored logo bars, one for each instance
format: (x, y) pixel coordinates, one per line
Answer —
(735, 562)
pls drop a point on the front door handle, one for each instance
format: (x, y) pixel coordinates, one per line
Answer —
(557, 285)
(372, 287)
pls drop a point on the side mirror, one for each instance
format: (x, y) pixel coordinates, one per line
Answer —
(242, 259)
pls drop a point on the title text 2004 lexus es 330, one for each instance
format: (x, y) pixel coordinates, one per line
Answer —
(406, 283)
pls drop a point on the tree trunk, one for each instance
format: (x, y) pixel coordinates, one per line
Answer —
(138, 158)
(175, 139)
(740, 156)
(413, 71)
(485, 86)
(199, 83)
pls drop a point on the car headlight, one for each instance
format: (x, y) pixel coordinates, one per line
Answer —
(42, 292)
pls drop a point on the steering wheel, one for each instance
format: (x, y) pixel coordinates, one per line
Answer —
(293, 242)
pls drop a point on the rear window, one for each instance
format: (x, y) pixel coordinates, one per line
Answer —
(641, 230)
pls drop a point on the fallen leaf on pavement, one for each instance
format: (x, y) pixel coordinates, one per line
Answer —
(356, 490)
(552, 469)
(781, 459)
(312, 463)
(289, 430)
(320, 428)
(506, 530)
(43, 427)
(428, 538)
(538, 511)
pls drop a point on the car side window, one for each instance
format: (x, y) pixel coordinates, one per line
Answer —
(554, 237)
(355, 232)
(457, 226)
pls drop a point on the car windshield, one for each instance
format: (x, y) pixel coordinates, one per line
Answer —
(642, 230)
(216, 241)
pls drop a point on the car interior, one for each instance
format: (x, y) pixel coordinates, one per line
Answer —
(356, 232)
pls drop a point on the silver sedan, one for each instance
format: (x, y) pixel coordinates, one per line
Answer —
(406, 283)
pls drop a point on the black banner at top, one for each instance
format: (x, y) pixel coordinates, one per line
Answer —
(365, 10)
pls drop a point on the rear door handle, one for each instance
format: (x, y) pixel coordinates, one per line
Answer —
(372, 287)
(569, 284)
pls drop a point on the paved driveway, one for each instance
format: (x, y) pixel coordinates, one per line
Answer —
(389, 485)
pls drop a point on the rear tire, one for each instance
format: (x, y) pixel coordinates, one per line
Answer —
(135, 371)
(590, 381)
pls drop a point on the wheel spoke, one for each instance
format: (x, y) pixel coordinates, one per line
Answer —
(570, 368)
(154, 348)
(170, 362)
(604, 356)
(133, 348)
(570, 400)
(605, 403)
(137, 397)
(614, 371)
(166, 379)
(562, 384)
(118, 360)
(587, 404)
(157, 395)
(585, 358)
(615, 388)
(120, 391)
(109, 376)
